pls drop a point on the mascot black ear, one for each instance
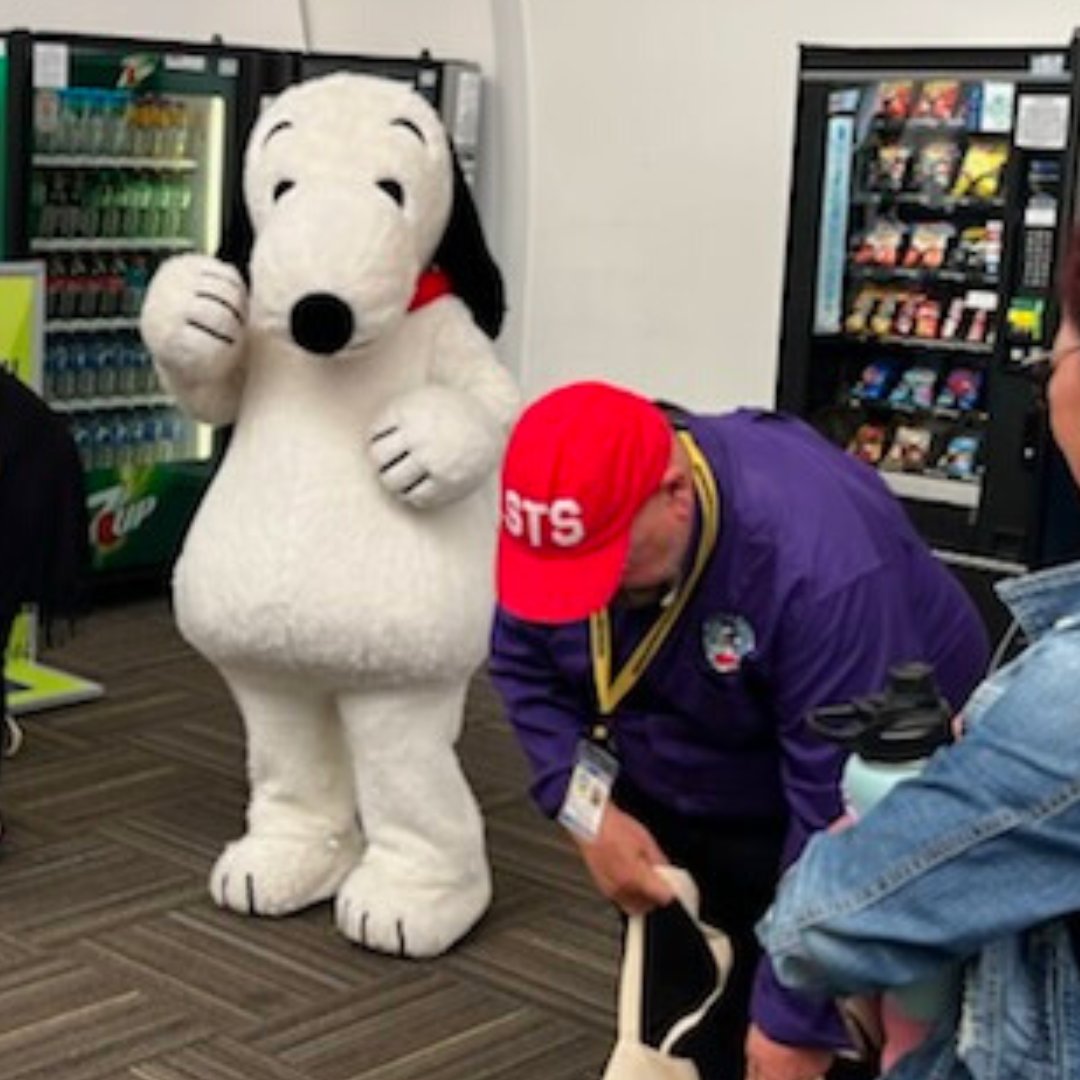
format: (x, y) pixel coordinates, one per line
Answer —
(238, 238)
(464, 257)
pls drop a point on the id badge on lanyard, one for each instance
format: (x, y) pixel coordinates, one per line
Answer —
(589, 791)
(595, 767)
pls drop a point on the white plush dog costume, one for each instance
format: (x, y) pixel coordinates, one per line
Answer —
(339, 570)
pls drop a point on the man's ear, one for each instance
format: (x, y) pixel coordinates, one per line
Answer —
(679, 485)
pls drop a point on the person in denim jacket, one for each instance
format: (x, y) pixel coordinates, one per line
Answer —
(977, 860)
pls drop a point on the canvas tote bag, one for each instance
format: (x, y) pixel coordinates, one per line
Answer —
(652, 1019)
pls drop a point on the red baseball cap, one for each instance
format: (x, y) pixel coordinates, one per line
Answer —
(581, 462)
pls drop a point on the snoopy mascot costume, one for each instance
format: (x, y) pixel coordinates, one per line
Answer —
(338, 572)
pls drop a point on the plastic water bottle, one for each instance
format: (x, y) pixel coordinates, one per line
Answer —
(127, 365)
(46, 121)
(55, 275)
(71, 300)
(181, 130)
(49, 379)
(90, 208)
(113, 128)
(96, 121)
(891, 736)
(182, 199)
(81, 433)
(82, 362)
(68, 122)
(90, 292)
(178, 436)
(163, 450)
(158, 201)
(53, 214)
(107, 374)
(169, 212)
(140, 131)
(141, 436)
(39, 199)
(146, 376)
(121, 439)
(112, 288)
(63, 373)
(136, 279)
(102, 454)
(71, 220)
(129, 203)
(123, 125)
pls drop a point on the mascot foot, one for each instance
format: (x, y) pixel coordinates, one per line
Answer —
(399, 915)
(277, 875)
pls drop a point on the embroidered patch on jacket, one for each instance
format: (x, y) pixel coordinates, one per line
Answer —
(726, 639)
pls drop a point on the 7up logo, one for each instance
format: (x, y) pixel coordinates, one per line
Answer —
(116, 516)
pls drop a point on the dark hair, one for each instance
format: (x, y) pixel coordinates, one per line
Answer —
(1069, 279)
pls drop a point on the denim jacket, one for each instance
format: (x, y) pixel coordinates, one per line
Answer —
(976, 860)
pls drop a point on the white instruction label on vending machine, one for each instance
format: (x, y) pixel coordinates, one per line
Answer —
(1042, 122)
(50, 65)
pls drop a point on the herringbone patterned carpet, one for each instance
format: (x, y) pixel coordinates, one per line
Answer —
(115, 965)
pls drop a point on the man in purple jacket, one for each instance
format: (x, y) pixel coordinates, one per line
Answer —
(676, 594)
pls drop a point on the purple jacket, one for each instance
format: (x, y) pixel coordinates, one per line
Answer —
(824, 584)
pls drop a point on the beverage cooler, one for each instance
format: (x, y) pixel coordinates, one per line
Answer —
(931, 195)
(118, 154)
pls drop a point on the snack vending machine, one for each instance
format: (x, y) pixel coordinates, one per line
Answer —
(118, 154)
(932, 192)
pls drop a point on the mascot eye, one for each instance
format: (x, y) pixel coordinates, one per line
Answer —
(282, 187)
(394, 190)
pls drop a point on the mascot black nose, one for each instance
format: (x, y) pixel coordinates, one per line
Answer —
(321, 323)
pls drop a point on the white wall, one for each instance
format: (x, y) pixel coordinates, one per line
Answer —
(249, 22)
(457, 28)
(661, 138)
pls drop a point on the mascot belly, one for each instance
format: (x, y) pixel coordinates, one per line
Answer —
(339, 570)
(298, 538)
(360, 593)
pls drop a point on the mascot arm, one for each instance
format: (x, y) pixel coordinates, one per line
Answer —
(441, 441)
(194, 325)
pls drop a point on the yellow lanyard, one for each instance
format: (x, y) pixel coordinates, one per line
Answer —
(609, 693)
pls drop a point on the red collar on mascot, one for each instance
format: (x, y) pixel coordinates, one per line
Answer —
(431, 284)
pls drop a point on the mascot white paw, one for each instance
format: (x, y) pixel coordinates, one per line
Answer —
(389, 912)
(433, 446)
(339, 569)
(277, 875)
(194, 321)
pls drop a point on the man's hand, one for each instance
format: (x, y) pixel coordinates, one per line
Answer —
(768, 1060)
(622, 861)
